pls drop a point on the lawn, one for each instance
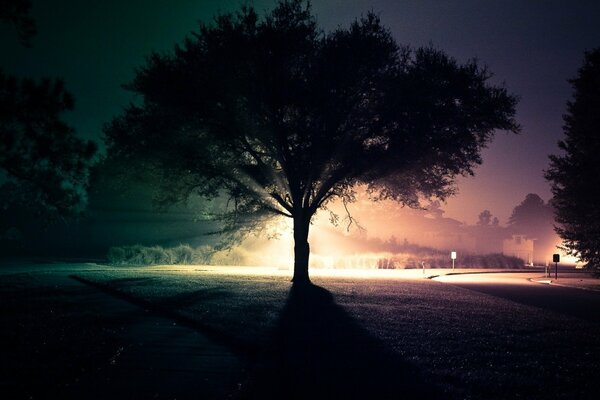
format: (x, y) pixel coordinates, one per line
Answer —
(386, 338)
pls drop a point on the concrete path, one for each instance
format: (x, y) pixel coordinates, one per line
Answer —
(162, 360)
(157, 359)
(521, 288)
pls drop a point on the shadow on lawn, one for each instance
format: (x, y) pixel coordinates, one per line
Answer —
(319, 351)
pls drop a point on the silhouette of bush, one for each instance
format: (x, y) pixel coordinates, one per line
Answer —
(203, 255)
(116, 255)
(410, 261)
(158, 255)
(153, 255)
(182, 254)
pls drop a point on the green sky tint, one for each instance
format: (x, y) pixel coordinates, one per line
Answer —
(96, 45)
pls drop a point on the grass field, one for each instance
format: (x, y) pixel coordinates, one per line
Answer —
(382, 337)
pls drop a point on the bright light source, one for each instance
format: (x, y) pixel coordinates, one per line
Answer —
(372, 273)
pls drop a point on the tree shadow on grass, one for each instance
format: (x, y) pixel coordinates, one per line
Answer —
(319, 351)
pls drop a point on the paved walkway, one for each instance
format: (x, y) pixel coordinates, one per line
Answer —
(158, 359)
(575, 280)
(528, 289)
(164, 360)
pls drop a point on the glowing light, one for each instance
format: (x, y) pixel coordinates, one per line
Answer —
(568, 259)
(489, 278)
(287, 272)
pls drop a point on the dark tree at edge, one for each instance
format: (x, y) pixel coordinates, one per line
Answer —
(575, 175)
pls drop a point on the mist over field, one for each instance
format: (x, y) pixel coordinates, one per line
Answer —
(378, 231)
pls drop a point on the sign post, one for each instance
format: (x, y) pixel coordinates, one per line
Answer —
(453, 257)
(555, 260)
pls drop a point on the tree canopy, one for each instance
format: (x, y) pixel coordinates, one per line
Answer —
(575, 174)
(44, 165)
(281, 117)
(38, 149)
(531, 216)
(485, 219)
(16, 12)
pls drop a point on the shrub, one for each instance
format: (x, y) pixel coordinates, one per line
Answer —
(156, 255)
(139, 255)
(410, 261)
(116, 255)
(233, 256)
(182, 254)
(203, 255)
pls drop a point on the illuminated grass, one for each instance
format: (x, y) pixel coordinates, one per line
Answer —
(469, 344)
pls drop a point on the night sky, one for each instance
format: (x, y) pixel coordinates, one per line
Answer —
(531, 46)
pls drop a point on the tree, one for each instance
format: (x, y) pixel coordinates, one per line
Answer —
(38, 149)
(16, 12)
(532, 216)
(45, 164)
(575, 175)
(485, 218)
(281, 118)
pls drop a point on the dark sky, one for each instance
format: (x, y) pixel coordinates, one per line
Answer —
(531, 46)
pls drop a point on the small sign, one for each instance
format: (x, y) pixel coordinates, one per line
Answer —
(555, 258)
(453, 255)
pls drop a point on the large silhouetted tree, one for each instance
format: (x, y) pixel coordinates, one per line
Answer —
(44, 165)
(575, 175)
(282, 118)
(532, 216)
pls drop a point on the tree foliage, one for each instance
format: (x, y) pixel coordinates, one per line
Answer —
(44, 165)
(281, 117)
(38, 149)
(484, 218)
(575, 174)
(16, 12)
(531, 216)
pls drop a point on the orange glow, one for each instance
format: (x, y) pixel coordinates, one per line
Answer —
(390, 234)
(487, 278)
(567, 259)
(287, 272)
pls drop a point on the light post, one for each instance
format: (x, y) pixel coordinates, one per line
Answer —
(453, 257)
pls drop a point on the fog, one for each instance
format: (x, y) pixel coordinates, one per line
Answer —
(119, 216)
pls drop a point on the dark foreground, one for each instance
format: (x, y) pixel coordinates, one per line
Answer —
(151, 333)
(65, 340)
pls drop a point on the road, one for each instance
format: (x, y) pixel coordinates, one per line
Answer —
(574, 302)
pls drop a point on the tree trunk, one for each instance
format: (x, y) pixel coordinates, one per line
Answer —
(301, 249)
